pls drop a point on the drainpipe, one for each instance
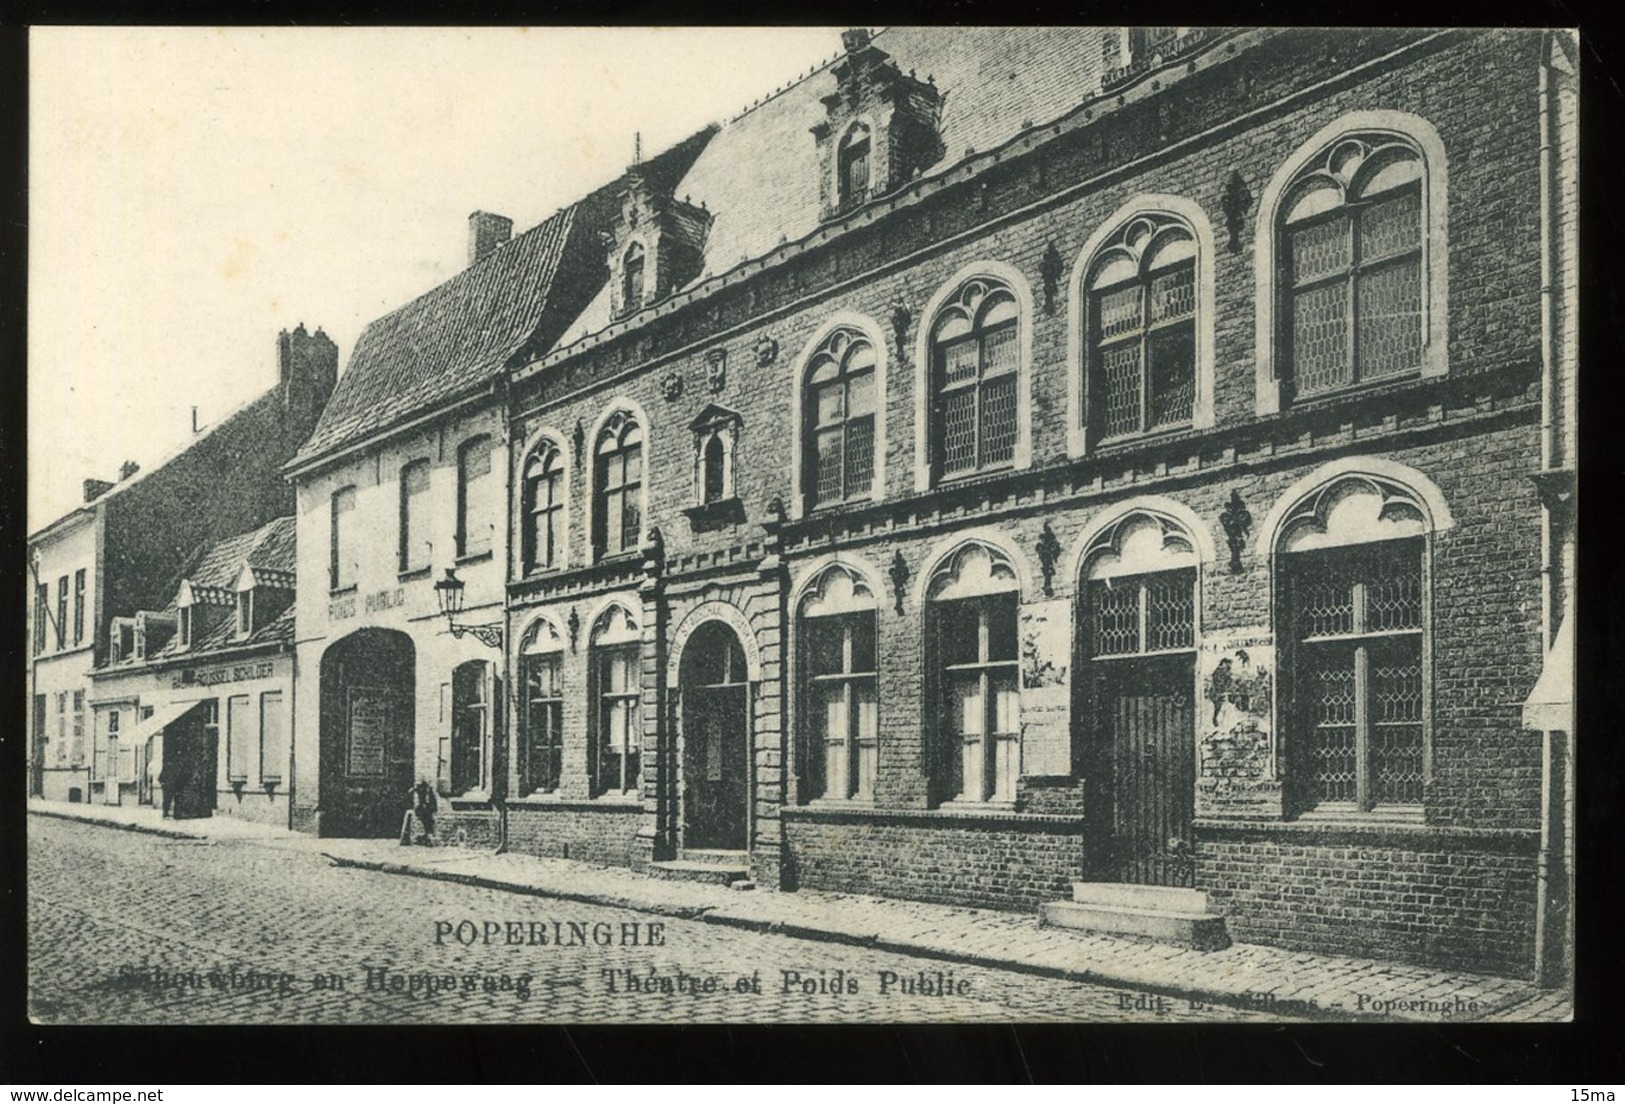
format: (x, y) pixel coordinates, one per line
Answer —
(1552, 757)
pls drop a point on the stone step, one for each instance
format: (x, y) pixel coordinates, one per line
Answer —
(1202, 931)
(1127, 895)
(715, 856)
(686, 870)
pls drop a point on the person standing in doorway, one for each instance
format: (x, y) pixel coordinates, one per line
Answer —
(169, 780)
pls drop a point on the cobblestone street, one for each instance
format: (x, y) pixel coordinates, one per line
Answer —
(130, 928)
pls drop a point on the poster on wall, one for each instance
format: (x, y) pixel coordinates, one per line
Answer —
(957, 379)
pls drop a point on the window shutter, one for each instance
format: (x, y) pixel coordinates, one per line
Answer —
(442, 770)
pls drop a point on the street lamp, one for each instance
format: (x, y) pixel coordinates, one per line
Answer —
(449, 593)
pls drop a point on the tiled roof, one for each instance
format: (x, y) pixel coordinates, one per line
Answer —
(446, 341)
(759, 175)
(271, 546)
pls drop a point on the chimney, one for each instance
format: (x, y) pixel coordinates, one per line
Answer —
(855, 39)
(485, 233)
(307, 367)
(95, 488)
(127, 469)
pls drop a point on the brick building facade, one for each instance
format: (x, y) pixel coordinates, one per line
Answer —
(1072, 472)
(126, 548)
(1009, 458)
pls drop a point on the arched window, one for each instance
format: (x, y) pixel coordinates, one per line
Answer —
(618, 487)
(632, 278)
(467, 754)
(542, 503)
(617, 694)
(1351, 265)
(975, 365)
(712, 480)
(971, 611)
(477, 508)
(854, 166)
(1353, 624)
(415, 546)
(839, 706)
(541, 713)
(840, 419)
(1142, 329)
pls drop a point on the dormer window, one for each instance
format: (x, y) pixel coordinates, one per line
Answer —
(183, 627)
(854, 166)
(879, 130)
(245, 612)
(632, 278)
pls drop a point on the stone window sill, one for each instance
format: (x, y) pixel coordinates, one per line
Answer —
(615, 803)
(473, 558)
(340, 591)
(413, 573)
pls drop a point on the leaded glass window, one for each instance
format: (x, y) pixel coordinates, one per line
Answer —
(617, 514)
(1356, 618)
(840, 419)
(975, 371)
(1351, 274)
(543, 503)
(1142, 330)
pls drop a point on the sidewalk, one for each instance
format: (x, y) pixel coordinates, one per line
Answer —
(1293, 984)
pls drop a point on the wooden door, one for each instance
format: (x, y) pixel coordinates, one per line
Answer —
(715, 776)
(1146, 711)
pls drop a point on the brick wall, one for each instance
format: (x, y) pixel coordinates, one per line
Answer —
(1003, 863)
(574, 831)
(1462, 903)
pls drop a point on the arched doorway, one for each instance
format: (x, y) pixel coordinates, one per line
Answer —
(715, 688)
(1138, 641)
(368, 691)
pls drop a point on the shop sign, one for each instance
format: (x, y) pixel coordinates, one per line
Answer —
(214, 676)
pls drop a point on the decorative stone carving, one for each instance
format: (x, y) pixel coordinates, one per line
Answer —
(767, 350)
(1050, 269)
(899, 578)
(672, 387)
(716, 370)
(1238, 522)
(1049, 551)
(1236, 202)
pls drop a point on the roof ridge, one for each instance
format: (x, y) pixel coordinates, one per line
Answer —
(796, 81)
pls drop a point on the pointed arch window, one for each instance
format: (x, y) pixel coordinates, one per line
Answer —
(632, 266)
(541, 734)
(840, 416)
(840, 728)
(542, 503)
(618, 490)
(1142, 329)
(617, 694)
(1354, 606)
(975, 367)
(1351, 278)
(971, 610)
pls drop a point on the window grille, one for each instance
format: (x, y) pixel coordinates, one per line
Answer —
(840, 428)
(976, 358)
(1358, 639)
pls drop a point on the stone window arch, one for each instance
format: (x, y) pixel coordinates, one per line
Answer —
(1351, 548)
(973, 675)
(837, 664)
(543, 506)
(974, 359)
(615, 656)
(838, 434)
(1352, 260)
(620, 486)
(540, 663)
(1142, 316)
